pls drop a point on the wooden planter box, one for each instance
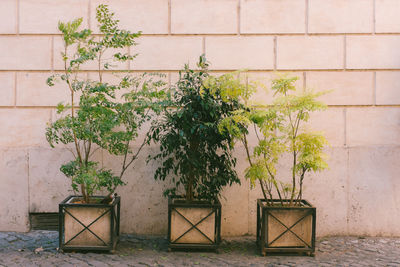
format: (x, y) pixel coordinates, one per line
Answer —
(194, 225)
(282, 229)
(88, 226)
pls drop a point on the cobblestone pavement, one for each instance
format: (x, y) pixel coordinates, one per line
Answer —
(39, 248)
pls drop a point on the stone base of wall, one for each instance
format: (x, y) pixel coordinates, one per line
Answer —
(358, 195)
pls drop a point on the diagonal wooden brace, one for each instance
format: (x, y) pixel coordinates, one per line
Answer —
(86, 227)
(193, 226)
(290, 228)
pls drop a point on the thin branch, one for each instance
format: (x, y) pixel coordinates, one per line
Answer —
(85, 150)
(77, 146)
(295, 131)
(244, 140)
(255, 130)
(99, 66)
(297, 123)
(91, 154)
(88, 151)
(137, 153)
(300, 195)
(125, 155)
(70, 150)
(273, 180)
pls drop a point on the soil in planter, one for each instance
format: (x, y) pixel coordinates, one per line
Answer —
(194, 202)
(285, 204)
(79, 200)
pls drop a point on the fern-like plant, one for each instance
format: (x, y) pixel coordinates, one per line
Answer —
(279, 129)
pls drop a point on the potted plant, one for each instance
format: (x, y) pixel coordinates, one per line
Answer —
(98, 118)
(196, 158)
(285, 221)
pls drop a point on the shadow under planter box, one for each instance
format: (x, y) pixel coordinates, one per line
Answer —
(194, 225)
(89, 226)
(284, 229)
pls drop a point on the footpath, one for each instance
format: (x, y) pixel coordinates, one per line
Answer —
(39, 248)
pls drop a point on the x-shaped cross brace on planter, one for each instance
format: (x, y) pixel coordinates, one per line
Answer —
(193, 226)
(290, 228)
(86, 227)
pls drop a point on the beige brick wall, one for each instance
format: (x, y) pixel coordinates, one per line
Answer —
(348, 46)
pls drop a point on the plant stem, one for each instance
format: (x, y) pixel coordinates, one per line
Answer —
(300, 195)
(77, 147)
(193, 146)
(189, 189)
(273, 182)
(295, 129)
(246, 146)
(293, 176)
(99, 66)
(84, 194)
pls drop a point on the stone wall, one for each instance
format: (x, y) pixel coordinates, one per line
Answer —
(349, 46)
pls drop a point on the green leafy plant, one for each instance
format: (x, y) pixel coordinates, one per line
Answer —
(96, 117)
(194, 154)
(279, 131)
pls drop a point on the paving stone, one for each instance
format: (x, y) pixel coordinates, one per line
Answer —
(17, 249)
(11, 238)
(3, 235)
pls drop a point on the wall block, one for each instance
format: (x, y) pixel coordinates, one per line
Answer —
(25, 53)
(14, 185)
(373, 52)
(203, 16)
(232, 53)
(387, 88)
(271, 16)
(343, 88)
(42, 16)
(373, 126)
(309, 52)
(8, 14)
(387, 16)
(340, 16)
(148, 16)
(7, 82)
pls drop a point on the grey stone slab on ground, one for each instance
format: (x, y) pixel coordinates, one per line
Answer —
(39, 248)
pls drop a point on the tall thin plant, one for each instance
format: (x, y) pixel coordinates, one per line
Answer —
(96, 117)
